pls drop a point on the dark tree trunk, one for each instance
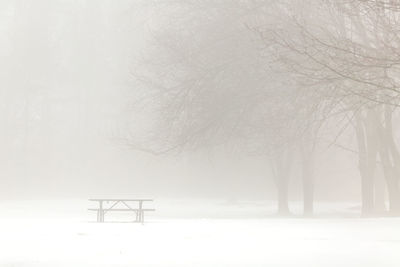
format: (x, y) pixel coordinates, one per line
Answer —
(282, 166)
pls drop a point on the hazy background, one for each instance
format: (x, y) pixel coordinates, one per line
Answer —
(66, 94)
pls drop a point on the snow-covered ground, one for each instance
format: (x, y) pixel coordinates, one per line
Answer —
(208, 233)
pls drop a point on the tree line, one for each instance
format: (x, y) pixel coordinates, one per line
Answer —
(269, 76)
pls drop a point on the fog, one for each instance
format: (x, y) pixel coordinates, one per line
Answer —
(263, 114)
(68, 94)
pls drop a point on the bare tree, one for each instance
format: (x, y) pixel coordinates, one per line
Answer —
(351, 59)
(214, 86)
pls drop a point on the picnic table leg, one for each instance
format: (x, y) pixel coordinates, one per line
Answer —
(101, 212)
(140, 212)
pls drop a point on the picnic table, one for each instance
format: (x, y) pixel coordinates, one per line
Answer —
(106, 205)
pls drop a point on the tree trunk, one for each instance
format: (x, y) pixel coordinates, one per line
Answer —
(308, 187)
(389, 157)
(283, 196)
(307, 161)
(282, 163)
(393, 182)
(372, 143)
(394, 195)
(367, 184)
(379, 196)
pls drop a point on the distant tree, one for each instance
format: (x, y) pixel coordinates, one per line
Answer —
(213, 85)
(347, 51)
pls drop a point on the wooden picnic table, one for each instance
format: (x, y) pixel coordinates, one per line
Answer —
(106, 205)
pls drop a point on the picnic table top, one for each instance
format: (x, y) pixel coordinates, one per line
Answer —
(120, 199)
